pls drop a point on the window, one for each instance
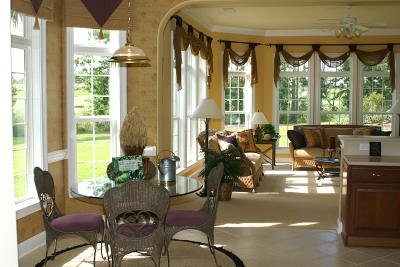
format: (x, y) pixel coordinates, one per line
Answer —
(376, 97)
(335, 89)
(338, 97)
(185, 129)
(28, 103)
(294, 98)
(238, 97)
(95, 90)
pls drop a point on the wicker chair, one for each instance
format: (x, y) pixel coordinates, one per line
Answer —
(85, 225)
(202, 220)
(136, 215)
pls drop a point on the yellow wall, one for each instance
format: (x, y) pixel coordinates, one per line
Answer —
(148, 88)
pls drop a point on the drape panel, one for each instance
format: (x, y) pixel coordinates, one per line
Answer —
(200, 45)
(45, 8)
(239, 60)
(78, 15)
(369, 58)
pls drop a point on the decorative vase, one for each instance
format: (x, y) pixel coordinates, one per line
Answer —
(225, 191)
(267, 137)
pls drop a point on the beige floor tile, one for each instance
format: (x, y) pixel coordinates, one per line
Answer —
(330, 261)
(380, 263)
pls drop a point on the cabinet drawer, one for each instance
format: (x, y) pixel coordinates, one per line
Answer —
(377, 174)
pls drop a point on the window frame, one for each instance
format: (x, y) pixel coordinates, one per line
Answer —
(117, 102)
(34, 44)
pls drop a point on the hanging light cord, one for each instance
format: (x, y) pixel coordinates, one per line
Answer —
(130, 27)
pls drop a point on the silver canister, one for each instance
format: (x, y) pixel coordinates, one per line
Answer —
(167, 167)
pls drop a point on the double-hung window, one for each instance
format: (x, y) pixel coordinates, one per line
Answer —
(294, 98)
(238, 98)
(28, 103)
(96, 102)
(185, 129)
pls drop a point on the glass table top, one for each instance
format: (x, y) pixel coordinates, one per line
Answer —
(95, 189)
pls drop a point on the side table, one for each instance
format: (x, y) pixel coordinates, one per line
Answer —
(323, 164)
(272, 143)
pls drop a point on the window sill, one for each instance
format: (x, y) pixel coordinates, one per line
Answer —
(27, 207)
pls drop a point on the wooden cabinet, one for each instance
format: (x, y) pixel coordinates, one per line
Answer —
(370, 205)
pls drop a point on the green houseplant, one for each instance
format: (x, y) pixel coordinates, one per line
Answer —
(269, 132)
(231, 158)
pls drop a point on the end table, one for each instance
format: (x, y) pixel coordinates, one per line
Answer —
(272, 143)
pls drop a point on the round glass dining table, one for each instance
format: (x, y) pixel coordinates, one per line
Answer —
(95, 189)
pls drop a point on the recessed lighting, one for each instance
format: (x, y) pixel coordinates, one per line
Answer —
(229, 10)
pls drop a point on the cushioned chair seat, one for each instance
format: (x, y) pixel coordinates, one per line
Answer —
(77, 222)
(255, 159)
(181, 218)
(309, 152)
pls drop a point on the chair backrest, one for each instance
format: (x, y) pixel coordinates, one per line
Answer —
(214, 180)
(136, 201)
(45, 189)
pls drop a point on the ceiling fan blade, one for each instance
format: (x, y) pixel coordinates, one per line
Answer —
(361, 28)
(325, 19)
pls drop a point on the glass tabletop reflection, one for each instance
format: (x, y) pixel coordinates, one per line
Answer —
(95, 189)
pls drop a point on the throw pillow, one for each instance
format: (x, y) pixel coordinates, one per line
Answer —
(363, 131)
(377, 132)
(313, 137)
(231, 139)
(213, 144)
(245, 141)
(296, 138)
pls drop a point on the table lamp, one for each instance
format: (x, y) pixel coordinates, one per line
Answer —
(207, 109)
(258, 118)
(396, 109)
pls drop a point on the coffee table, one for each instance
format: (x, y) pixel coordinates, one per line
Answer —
(326, 165)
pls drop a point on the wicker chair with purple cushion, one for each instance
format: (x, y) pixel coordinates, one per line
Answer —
(85, 225)
(136, 215)
(202, 220)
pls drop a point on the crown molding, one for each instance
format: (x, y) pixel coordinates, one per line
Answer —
(293, 32)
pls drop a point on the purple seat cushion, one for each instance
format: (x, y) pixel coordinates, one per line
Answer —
(77, 222)
(135, 230)
(186, 218)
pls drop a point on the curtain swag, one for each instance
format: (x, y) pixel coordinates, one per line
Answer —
(36, 8)
(369, 58)
(239, 60)
(200, 45)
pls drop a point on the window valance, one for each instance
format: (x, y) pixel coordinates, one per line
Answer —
(43, 9)
(239, 60)
(199, 45)
(98, 14)
(369, 58)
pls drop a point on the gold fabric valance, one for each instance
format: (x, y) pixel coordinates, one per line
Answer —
(239, 60)
(46, 10)
(200, 45)
(77, 15)
(368, 58)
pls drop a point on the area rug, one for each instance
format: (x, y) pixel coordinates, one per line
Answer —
(182, 253)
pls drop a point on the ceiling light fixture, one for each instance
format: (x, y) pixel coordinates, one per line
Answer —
(129, 53)
(349, 28)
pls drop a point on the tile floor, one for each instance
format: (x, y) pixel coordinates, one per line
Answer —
(285, 247)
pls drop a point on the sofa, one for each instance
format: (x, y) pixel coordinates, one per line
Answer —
(310, 141)
(251, 158)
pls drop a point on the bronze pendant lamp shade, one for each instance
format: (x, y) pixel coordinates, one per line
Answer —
(130, 54)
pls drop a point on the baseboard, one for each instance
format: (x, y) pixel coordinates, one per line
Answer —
(31, 244)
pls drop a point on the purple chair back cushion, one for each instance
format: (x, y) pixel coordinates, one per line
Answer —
(77, 222)
(186, 218)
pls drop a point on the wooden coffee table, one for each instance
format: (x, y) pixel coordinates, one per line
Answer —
(326, 165)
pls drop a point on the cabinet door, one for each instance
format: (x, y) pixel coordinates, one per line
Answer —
(375, 209)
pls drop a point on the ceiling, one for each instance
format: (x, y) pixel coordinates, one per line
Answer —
(261, 19)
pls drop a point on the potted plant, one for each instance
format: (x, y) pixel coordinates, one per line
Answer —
(133, 134)
(232, 160)
(269, 132)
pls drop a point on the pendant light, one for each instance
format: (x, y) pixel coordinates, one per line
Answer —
(130, 54)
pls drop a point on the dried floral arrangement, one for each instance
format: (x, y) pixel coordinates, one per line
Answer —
(133, 134)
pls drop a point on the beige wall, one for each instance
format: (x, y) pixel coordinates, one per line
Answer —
(146, 89)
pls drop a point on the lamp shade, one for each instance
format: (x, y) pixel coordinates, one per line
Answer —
(207, 109)
(396, 108)
(259, 118)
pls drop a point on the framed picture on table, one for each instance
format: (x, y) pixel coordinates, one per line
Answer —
(127, 168)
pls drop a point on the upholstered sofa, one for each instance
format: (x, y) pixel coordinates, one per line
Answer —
(304, 145)
(251, 158)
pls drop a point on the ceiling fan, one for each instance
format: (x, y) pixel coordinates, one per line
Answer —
(349, 27)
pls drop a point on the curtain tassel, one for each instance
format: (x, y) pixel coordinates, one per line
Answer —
(36, 25)
(101, 35)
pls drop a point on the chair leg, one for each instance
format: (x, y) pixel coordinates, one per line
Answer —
(212, 250)
(55, 250)
(94, 255)
(47, 252)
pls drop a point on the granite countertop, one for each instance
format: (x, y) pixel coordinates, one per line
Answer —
(374, 161)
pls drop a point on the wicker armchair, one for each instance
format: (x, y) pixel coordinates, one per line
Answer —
(203, 219)
(136, 215)
(85, 225)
